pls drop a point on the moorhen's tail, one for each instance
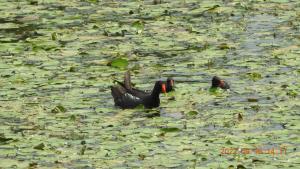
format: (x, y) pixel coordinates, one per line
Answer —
(128, 86)
(127, 80)
(119, 83)
(133, 91)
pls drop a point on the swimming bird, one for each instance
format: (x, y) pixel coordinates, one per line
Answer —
(218, 82)
(125, 99)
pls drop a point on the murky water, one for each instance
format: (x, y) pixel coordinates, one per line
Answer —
(56, 109)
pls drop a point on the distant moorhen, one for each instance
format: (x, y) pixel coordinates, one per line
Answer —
(170, 84)
(139, 93)
(125, 99)
(218, 82)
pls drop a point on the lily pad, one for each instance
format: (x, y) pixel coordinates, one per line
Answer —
(119, 63)
(171, 129)
(59, 109)
(138, 26)
(192, 113)
(40, 146)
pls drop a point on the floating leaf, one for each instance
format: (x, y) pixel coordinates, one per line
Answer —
(213, 89)
(138, 26)
(119, 63)
(72, 69)
(33, 165)
(153, 114)
(256, 160)
(192, 113)
(240, 166)
(223, 46)
(142, 157)
(93, 1)
(228, 142)
(32, 2)
(252, 100)
(254, 76)
(171, 129)
(40, 146)
(255, 107)
(292, 93)
(72, 117)
(3, 139)
(213, 7)
(59, 109)
(82, 150)
(231, 167)
(54, 36)
(171, 98)
(240, 117)
(59, 55)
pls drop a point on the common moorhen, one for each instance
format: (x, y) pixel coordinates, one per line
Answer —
(125, 99)
(139, 93)
(170, 84)
(218, 82)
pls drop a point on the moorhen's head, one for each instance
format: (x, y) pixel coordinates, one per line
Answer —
(170, 84)
(218, 82)
(160, 87)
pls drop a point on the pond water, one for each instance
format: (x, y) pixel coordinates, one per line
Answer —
(59, 59)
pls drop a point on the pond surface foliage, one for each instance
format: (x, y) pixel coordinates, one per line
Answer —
(59, 59)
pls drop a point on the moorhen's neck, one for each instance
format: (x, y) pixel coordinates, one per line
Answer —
(127, 80)
(156, 89)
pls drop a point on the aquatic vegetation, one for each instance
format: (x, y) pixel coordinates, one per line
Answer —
(59, 59)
